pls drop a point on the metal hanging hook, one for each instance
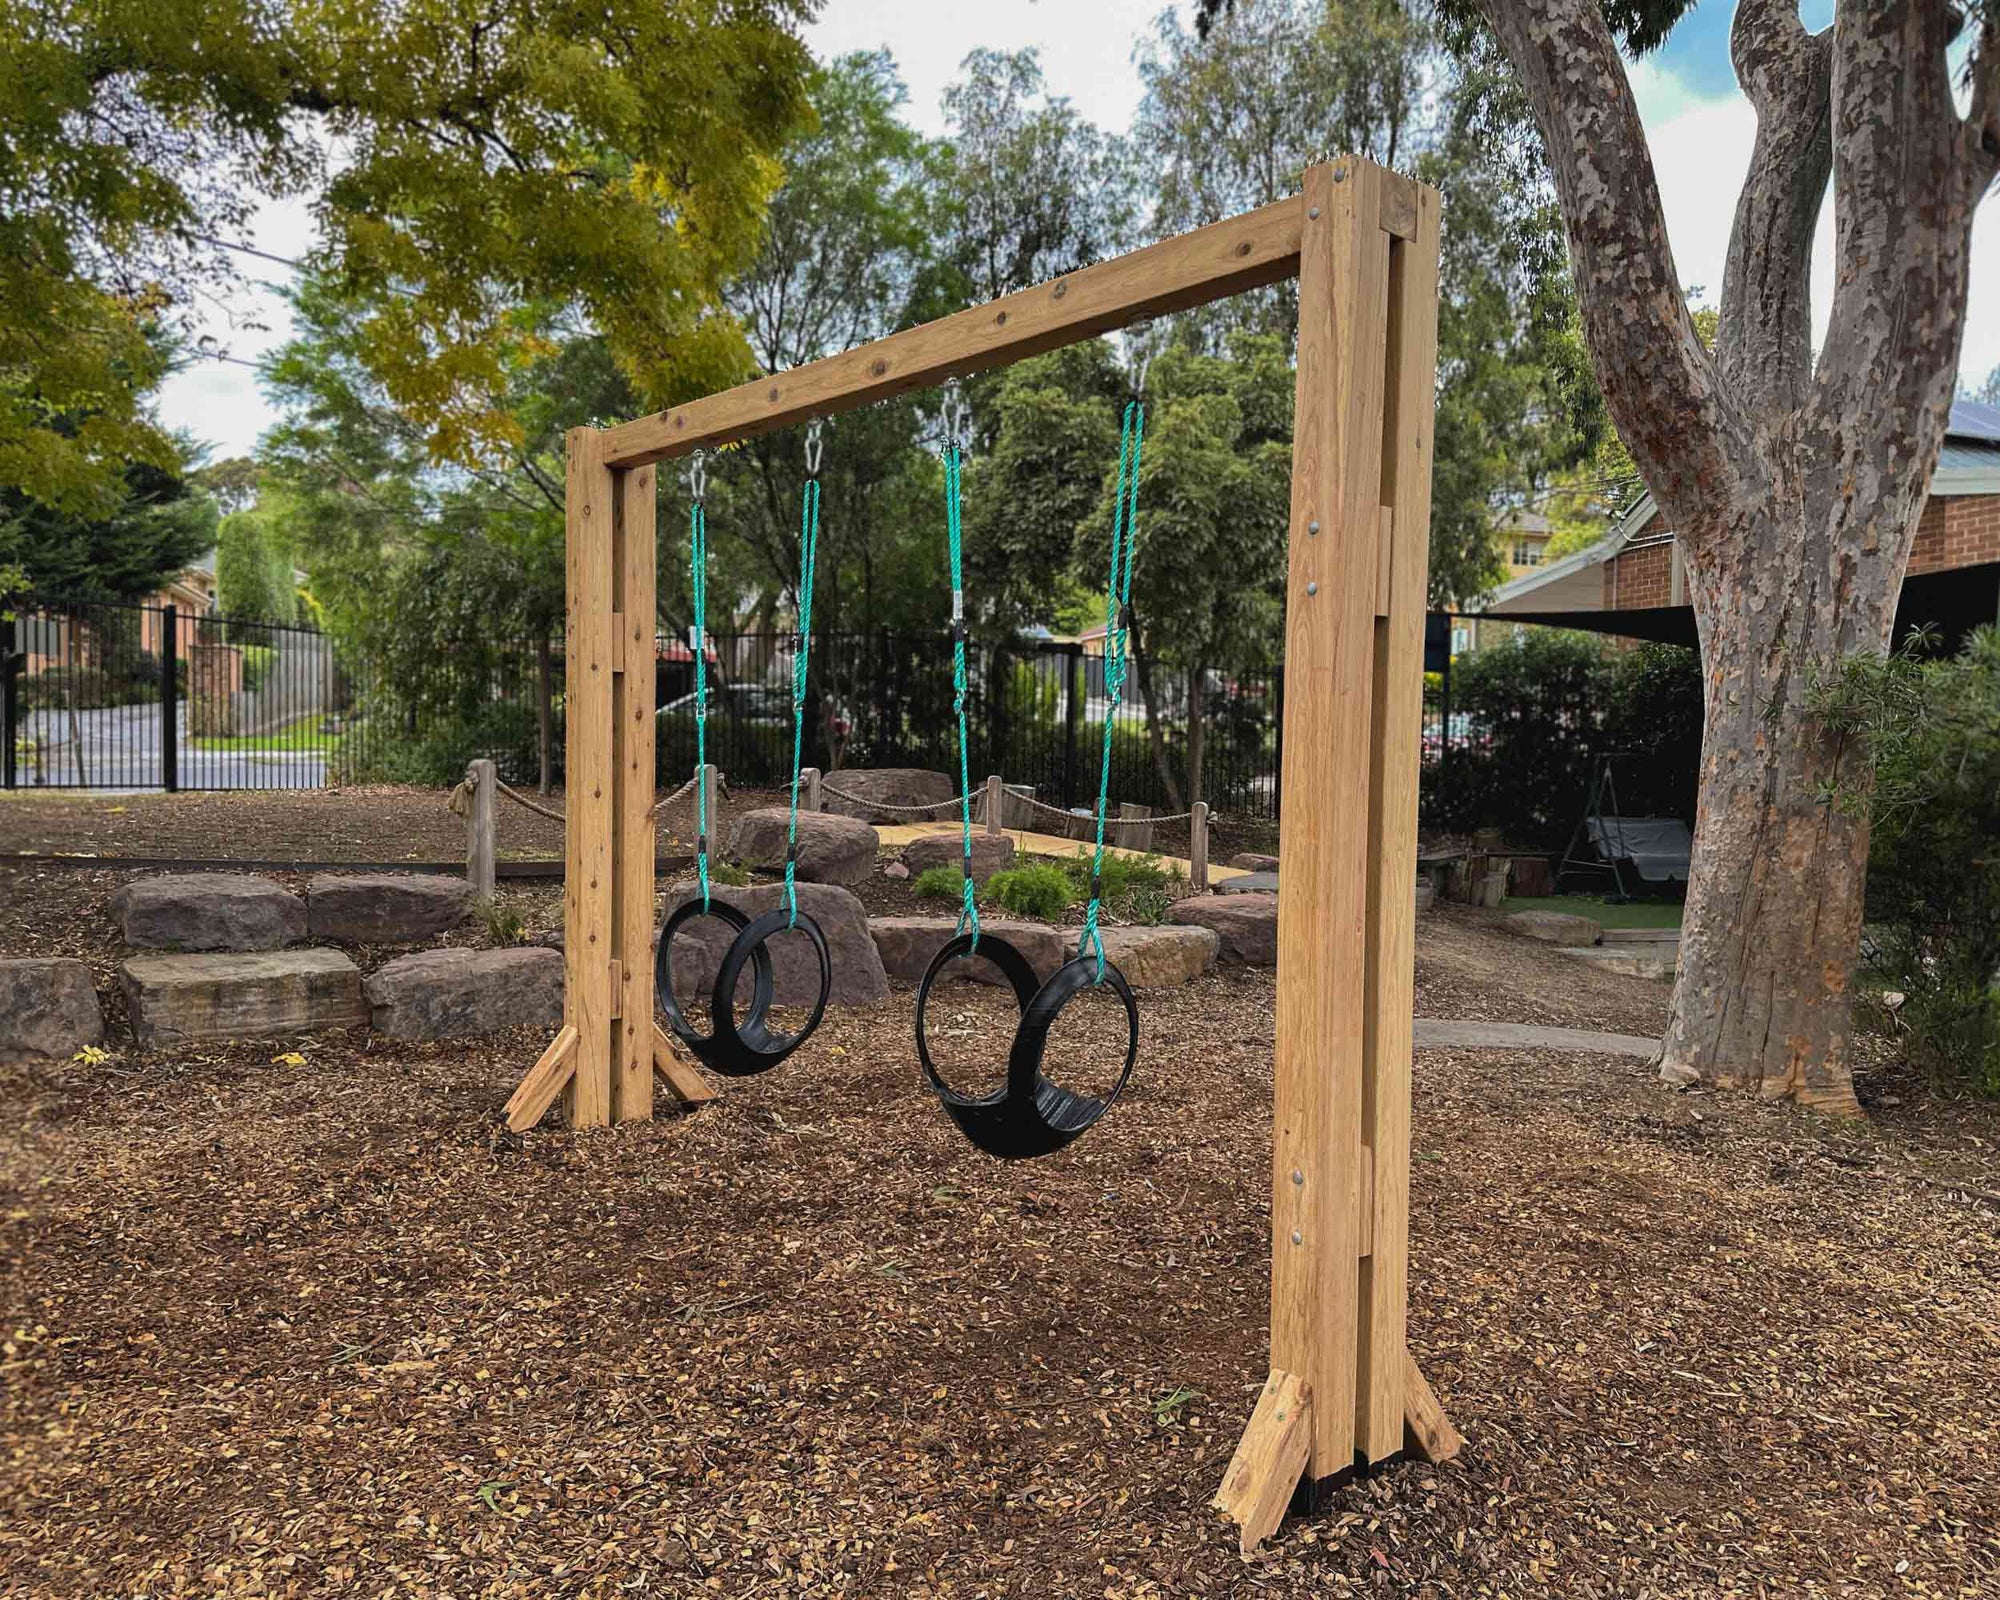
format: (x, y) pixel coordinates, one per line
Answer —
(697, 474)
(957, 418)
(814, 446)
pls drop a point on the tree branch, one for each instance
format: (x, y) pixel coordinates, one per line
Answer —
(1763, 348)
(1659, 383)
(1903, 207)
(1982, 127)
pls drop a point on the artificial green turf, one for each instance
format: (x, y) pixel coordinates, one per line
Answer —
(1633, 914)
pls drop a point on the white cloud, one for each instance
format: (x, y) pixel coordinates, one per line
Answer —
(1700, 143)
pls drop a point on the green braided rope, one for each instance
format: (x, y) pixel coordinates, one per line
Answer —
(1117, 603)
(801, 655)
(698, 581)
(968, 915)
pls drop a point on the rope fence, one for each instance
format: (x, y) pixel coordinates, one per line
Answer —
(467, 801)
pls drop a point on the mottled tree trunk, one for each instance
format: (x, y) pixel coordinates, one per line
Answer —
(1793, 485)
(1773, 915)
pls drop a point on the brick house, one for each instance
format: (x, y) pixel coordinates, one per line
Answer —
(1633, 583)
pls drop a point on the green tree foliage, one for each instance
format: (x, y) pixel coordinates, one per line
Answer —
(1533, 715)
(1208, 579)
(158, 525)
(1231, 120)
(1035, 190)
(851, 252)
(613, 164)
(1932, 728)
(253, 565)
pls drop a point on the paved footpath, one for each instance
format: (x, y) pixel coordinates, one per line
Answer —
(1527, 1036)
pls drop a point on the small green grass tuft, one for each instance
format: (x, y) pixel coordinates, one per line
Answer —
(1040, 891)
(938, 883)
(728, 873)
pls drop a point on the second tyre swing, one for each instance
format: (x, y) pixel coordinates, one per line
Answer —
(731, 1048)
(1031, 1115)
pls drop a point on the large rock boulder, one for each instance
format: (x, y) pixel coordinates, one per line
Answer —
(907, 945)
(384, 908)
(858, 978)
(444, 994)
(831, 849)
(1163, 957)
(1554, 927)
(1254, 861)
(209, 911)
(1249, 883)
(1246, 925)
(991, 853)
(48, 1010)
(882, 790)
(176, 998)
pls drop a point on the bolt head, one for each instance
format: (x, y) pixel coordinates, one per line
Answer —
(1298, 1177)
(1313, 213)
(1298, 1237)
(1312, 588)
(1312, 527)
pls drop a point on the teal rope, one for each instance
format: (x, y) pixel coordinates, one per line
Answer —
(1117, 612)
(968, 915)
(698, 581)
(801, 655)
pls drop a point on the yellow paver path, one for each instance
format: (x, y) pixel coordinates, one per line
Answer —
(1030, 843)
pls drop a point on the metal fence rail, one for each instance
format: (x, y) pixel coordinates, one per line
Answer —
(114, 695)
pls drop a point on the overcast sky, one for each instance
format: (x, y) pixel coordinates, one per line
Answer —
(1700, 126)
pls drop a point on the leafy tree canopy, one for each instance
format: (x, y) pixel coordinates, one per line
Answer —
(1231, 121)
(612, 163)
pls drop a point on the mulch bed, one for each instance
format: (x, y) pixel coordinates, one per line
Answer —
(329, 1330)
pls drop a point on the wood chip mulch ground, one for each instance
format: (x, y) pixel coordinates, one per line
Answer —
(326, 1329)
(385, 823)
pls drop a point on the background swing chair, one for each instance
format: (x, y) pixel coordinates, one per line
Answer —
(742, 1049)
(1029, 1115)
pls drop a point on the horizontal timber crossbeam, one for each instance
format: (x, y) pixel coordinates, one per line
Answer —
(1260, 247)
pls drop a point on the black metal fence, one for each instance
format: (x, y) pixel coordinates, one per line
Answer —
(113, 695)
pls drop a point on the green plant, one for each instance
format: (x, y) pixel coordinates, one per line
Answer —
(730, 874)
(1041, 891)
(1932, 731)
(1147, 907)
(258, 660)
(938, 883)
(1121, 875)
(503, 924)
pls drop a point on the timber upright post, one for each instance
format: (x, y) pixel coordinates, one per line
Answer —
(604, 1058)
(1342, 1388)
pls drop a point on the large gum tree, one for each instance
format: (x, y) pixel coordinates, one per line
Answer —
(1793, 480)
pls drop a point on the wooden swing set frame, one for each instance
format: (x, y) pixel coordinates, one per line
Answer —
(1363, 245)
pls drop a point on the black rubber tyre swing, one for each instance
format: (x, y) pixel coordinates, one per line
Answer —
(741, 1049)
(1030, 1115)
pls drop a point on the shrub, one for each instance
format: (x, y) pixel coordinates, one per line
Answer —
(437, 755)
(1040, 890)
(939, 883)
(730, 874)
(1122, 875)
(1932, 729)
(1532, 716)
(258, 660)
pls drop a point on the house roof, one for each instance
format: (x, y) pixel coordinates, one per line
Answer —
(1968, 464)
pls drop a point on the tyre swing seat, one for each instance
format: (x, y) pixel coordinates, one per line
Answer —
(733, 1048)
(1030, 1114)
